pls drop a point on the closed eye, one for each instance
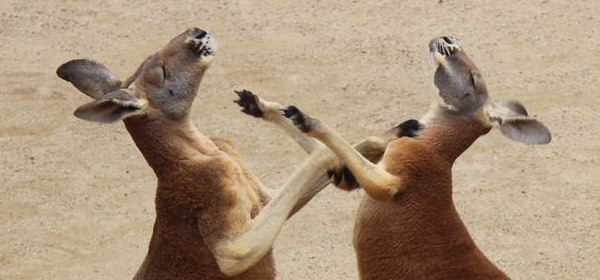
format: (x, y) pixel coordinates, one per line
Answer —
(165, 72)
(472, 79)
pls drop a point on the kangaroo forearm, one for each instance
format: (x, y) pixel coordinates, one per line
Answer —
(308, 144)
(308, 179)
(271, 112)
(247, 249)
(377, 182)
(372, 148)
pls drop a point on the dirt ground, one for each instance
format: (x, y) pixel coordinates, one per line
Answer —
(76, 200)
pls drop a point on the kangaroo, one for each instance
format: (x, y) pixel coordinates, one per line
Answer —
(407, 226)
(214, 219)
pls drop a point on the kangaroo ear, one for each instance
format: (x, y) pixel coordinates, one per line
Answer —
(514, 122)
(112, 107)
(90, 77)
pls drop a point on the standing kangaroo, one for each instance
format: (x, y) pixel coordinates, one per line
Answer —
(407, 227)
(214, 220)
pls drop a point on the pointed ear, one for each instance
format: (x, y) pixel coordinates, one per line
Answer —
(514, 122)
(112, 107)
(90, 77)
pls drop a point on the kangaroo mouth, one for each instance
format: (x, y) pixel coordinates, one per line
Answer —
(445, 46)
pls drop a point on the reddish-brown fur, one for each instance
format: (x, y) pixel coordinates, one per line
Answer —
(214, 220)
(407, 226)
(206, 197)
(192, 194)
(418, 234)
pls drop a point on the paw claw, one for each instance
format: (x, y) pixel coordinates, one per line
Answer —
(249, 103)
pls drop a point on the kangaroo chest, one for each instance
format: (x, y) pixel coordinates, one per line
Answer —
(213, 199)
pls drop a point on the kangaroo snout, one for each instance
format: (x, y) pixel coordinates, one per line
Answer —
(445, 45)
(199, 34)
(202, 42)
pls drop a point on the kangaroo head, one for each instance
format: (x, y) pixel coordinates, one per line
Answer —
(462, 92)
(163, 87)
(461, 87)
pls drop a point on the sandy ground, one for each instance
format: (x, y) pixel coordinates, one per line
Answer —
(76, 200)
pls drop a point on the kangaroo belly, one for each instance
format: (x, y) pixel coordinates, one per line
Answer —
(190, 258)
(403, 241)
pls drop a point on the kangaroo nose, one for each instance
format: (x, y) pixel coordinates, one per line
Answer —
(449, 40)
(199, 34)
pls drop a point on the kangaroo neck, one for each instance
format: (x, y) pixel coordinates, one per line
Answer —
(452, 134)
(169, 144)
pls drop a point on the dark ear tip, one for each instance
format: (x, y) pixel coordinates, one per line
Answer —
(78, 113)
(63, 71)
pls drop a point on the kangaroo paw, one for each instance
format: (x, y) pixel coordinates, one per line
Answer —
(409, 128)
(249, 103)
(343, 178)
(303, 122)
